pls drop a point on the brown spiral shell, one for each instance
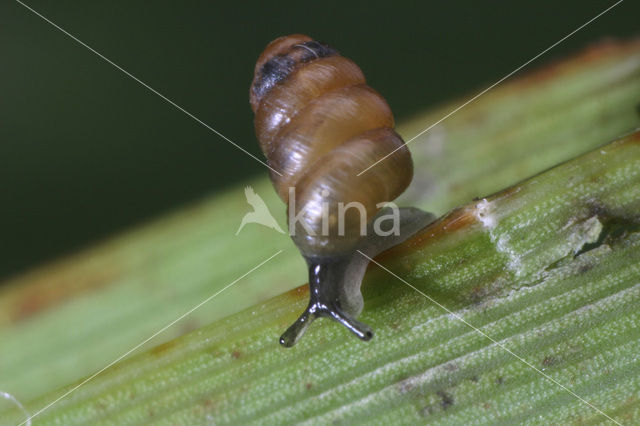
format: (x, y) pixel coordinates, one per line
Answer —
(319, 125)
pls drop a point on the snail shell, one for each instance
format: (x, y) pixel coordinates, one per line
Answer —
(319, 125)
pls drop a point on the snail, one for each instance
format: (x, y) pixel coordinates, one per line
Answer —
(318, 125)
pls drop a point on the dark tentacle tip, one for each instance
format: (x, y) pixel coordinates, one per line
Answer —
(327, 278)
(286, 340)
(359, 329)
(315, 310)
(297, 329)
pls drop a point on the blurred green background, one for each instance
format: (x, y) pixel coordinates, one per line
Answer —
(86, 151)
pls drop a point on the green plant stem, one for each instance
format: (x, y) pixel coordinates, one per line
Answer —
(70, 318)
(548, 269)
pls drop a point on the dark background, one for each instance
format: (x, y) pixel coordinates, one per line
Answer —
(85, 151)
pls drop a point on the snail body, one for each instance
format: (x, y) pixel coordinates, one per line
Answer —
(319, 125)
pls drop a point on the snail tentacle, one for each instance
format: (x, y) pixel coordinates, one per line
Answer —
(334, 281)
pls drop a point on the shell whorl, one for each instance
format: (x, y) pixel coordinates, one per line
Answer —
(319, 125)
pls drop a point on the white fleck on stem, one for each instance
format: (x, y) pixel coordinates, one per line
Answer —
(13, 399)
(488, 218)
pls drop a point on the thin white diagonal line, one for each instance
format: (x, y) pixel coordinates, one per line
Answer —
(148, 87)
(495, 84)
(73, 389)
(476, 329)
